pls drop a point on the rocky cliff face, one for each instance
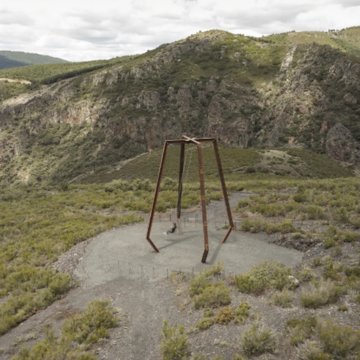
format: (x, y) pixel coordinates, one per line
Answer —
(246, 92)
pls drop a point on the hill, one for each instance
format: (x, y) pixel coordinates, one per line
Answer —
(282, 91)
(10, 59)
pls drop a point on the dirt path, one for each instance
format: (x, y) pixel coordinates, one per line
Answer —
(16, 81)
(121, 266)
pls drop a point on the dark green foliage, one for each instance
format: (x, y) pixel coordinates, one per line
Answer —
(174, 345)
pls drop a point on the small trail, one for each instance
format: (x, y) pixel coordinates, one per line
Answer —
(16, 81)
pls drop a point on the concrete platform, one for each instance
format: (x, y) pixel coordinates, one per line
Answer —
(124, 252)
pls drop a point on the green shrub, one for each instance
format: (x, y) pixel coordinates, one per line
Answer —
(86, 327)
(203, 279)
(343, 308)
(208, 313)
(263, 276)
(258, 340)
(225, 315)
(316, 262)
(329, 243)
(205, 323)
(173, 345)
(214, 295)
(315, 212)
(299, 198)
(336, 251)
(242, 313)
(306, 274)
(283, 298)
(242, 203)
(339, 340)
(92, 324)
(331, 272)
(287, 227)
(311, 350)
(321, 295)
(250, 170)
(301, 329)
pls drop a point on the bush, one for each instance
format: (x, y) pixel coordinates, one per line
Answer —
(283, 298)
(258, 340)
(265, 275)
(224, 316)
(87, 327)
(205, 323)
(174, 345)
(323, 294)
(311, 350)
(208, 313)
(242, 313)
(202, 280)
(250, 170)
(301, 329)
(306, 274)
(214, 295)
(92, 324)
(339, 340)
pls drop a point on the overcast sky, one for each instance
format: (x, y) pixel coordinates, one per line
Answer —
(78, 30)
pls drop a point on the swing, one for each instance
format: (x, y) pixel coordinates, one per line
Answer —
(186, 140)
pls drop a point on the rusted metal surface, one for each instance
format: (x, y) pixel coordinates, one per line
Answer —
(181, 172)
(197, 142)
(226, 198)
(152, 213)
(203, 203)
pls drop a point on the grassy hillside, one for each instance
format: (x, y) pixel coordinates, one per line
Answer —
(6, 63)
(347, 40)
(238, 164)
(30, 58)
(50, 73)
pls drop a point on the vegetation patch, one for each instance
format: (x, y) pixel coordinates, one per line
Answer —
(87, 328)
(174, 344)
(205, 323)
(321, 294)
(263, 276)
(224, 315)
(257, 340)
(242, 313)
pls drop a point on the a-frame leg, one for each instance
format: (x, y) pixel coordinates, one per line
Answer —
(181, 172)
(226, 198)
(152, 213)
(203, 203)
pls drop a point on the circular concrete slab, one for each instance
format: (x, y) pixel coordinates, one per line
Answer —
(125, 252)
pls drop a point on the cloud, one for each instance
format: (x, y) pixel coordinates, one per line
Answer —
(14, 18)
(78, 30)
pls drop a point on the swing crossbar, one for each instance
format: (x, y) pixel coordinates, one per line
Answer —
(197, 142)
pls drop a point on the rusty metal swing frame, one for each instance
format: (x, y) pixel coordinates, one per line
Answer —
(186, 140)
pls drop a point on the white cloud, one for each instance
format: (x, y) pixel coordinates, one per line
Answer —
(77, 30)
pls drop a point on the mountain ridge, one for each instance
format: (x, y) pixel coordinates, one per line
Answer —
(11, 59)
(248, 92)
